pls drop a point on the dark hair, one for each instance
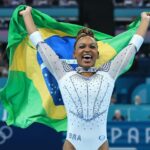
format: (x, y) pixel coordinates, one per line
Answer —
(82, 33)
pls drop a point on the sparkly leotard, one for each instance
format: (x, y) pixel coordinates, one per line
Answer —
(86, 99)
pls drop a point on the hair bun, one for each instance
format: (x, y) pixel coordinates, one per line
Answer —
(84, 32)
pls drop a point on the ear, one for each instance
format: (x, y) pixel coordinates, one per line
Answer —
(74, 54)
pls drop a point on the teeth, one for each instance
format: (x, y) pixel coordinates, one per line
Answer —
(87, 56)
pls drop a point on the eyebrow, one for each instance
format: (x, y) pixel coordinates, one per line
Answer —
(94, 43)
(80, 44)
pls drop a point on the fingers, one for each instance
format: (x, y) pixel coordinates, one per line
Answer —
(21, 12)
(24, 12)
(145, 16)
(28, 8)
(148, 13)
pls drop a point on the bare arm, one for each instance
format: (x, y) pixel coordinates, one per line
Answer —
(145, 21)
(28, 20)
(119, 63)
(50, 59)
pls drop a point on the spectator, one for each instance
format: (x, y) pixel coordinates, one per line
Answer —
(45, 2)
(6, 2)
(118, 116)
(3, 63)
(1, 23)
(137, 100)
(146, 3)
(67, 2)
(17, 2)
(63, 2)
(129, 3)
(113, 100)
(40, 2)
(72, 3)
(138, 3)
(118, 3)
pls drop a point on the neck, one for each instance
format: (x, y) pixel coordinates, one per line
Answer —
(87, 72)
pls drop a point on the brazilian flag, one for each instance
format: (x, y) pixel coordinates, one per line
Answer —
(31, 93)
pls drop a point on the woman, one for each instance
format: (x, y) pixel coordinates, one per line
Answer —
(87, 91)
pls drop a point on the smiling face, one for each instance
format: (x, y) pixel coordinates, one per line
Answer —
(86, 51)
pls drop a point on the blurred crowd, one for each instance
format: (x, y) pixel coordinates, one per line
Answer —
(4, 23)
(3, 61)
(38, 2)
(117, 3)
(131, 3)
(137, 100)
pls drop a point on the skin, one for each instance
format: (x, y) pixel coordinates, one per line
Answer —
(85, 45)
(145, 21)
(69, 146)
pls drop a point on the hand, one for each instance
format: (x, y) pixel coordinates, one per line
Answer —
(26, 11)
(145, 21)
(28, 20)
(145, 16)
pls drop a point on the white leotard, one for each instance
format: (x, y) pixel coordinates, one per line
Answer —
(87, 102)
(86, 99)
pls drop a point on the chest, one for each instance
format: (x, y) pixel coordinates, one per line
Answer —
(87, 88)
(86, 98)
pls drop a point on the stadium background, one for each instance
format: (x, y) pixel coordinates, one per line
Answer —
(131, 94)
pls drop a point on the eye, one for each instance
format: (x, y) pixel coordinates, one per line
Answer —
(82, 46)
(93, 46)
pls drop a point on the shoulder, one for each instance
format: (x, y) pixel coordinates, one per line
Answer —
(105, 67)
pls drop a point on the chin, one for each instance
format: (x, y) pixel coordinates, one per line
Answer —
(87, 66)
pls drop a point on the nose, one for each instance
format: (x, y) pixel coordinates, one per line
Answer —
(87, 49)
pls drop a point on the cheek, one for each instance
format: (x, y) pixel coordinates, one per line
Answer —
(96, 53)
(77, 52)
(75, 55)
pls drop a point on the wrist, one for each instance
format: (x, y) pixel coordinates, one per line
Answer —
(145, 20)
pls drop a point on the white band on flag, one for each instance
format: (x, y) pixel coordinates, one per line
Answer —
(43, 66)
(70, 61)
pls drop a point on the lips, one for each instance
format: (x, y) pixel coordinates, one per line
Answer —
(87, 56)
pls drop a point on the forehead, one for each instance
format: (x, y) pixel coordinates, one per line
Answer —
(86, 40)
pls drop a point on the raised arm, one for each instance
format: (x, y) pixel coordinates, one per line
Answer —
(119, 63)
(50, 59)
(28, 20)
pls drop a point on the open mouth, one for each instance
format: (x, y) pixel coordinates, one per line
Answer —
(87, 57)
